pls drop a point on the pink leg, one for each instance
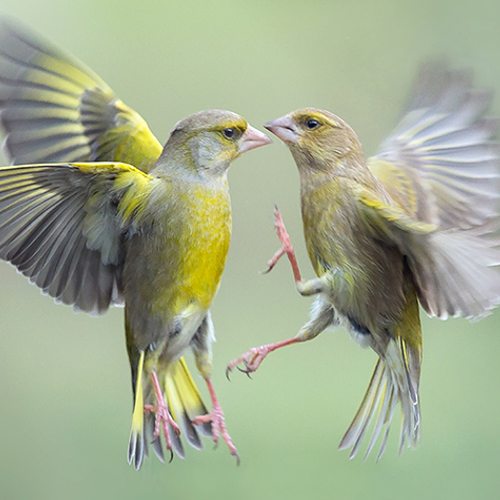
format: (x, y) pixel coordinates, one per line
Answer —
(163, 417)
(286, 247)
(218, 424)
(254, 357)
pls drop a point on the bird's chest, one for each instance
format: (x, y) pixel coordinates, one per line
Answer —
(367, 285)
(333, 233)
(173, 268)
(202, 250)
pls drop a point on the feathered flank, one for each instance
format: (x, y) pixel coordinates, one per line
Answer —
(448, 281)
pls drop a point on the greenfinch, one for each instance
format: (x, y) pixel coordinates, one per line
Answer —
(412, 224)
(101, 215)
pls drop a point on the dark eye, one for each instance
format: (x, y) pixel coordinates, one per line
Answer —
(312, 124)
(228, 132)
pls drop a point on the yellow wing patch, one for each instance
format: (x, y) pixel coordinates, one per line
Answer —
(55, 109)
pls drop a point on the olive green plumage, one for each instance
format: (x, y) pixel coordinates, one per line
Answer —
(411, 224)
(119, 221)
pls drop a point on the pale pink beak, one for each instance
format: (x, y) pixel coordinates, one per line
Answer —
(253, 138)
(284, 128)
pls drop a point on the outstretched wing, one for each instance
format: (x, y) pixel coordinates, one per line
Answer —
(454, 270)
(440, 163)
(63, 227)
(55, 109)
(440, 167)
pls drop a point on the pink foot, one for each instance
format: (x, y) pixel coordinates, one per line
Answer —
(254, 357)
(162, 417)
(286, 247)
(218, 423)
(251, 359)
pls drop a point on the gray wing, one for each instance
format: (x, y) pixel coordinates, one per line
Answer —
(443, 147)
(440, 165)
(59, 227)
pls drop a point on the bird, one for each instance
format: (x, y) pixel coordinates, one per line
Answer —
(95, 212)
(412, 224)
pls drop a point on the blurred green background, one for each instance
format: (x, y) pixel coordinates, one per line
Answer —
(65, 396)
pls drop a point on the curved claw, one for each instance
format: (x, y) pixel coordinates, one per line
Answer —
(251, 359)
(171, 455)
(255, 356)
(268, 270)
(246, 372)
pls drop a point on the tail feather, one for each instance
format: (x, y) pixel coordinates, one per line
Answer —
(176, 442)
(149, 431)
(184, 402)
(137, 444)
(184, 398)
(388, 420)
(395, 379)
(387, 397)
(364, 415)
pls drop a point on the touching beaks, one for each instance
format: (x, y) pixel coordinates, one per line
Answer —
(284, 128)
(253, 138)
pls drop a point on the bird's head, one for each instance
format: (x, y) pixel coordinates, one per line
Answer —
(210, 140)
(317, 139)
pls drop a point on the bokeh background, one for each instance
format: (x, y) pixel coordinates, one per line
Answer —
(65, 397)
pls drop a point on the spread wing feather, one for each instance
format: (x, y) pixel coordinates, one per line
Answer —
(55, 109)
(444, 148)
(440, 167)
(52, 233)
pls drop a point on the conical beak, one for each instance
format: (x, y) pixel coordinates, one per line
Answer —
(284, 128)
(253, 138)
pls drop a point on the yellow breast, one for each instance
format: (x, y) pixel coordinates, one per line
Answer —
(177, 263)
(206, 245)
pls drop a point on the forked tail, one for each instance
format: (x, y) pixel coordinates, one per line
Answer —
(184, 402)
(396, 378)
